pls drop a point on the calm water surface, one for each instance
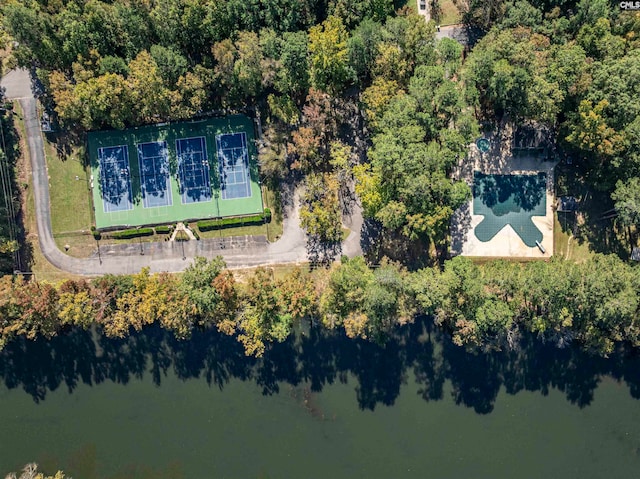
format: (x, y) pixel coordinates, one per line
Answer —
(318, 407)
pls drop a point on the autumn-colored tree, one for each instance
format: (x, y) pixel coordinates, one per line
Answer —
(320, 214)
(263, 315)
(368, 188)
(376, 98)
(94, 102)
(30, 471)
(151, 98)
(38, 305)
(321, 116)
(340, 161)
(75, 305)
(591, 131)
(153, 299)
(298, 294)
(306, 147)
(226, 310)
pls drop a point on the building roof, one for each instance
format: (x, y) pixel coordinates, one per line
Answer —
(567, 203)
(531, 136)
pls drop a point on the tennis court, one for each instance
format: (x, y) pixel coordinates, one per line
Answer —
(160, 174)
(195, 183)
(509, 200)
(155, 183)
(233, 162)
(115, 180)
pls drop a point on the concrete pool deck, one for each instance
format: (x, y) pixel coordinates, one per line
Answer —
(506, 243)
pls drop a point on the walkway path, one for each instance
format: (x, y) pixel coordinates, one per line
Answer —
(238, 252)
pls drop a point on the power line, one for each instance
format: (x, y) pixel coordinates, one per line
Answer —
(8, 191)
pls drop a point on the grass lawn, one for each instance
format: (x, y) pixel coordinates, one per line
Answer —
(450, 13)
(594, 229)
(70, 200)
(38, 264)
(280, 271)
(565, 244)
(412, 4)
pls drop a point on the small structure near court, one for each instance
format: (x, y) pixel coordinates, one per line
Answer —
(567, 204)
(532, 140)
(174, 172)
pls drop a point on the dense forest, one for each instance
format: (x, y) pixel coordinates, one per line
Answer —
(355, 96)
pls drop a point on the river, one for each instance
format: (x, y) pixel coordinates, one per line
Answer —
(319, 406)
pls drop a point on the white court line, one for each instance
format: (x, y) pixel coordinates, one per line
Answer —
(125, 160)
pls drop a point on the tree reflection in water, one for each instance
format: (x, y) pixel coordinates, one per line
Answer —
(316, 359)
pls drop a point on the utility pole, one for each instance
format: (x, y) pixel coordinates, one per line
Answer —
(140, 241)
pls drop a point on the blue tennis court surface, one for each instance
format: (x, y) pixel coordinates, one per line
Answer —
(153, 159)
(233, 159)
(193, 167)
(115, 180)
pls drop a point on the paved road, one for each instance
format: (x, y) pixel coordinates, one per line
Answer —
(238, 252)
(17, 84)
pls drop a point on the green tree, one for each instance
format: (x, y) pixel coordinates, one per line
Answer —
(417, 198)
(449, 53)
(627, 201)
(198, 282)
(353, 12)
(363, 48)
(320, 214)
(247, 67)
(329, 56)
(482, 13)
(345, 292)
(607, 304)
(292, 76)
(509, 71)
(32, 29)
(170, 63)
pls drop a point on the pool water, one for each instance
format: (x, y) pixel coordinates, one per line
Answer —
(509, 200)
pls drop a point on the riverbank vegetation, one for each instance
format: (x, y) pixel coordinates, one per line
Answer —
(594, 304)
(30, 471)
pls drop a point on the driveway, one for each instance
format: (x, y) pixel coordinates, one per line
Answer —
(238, 252)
